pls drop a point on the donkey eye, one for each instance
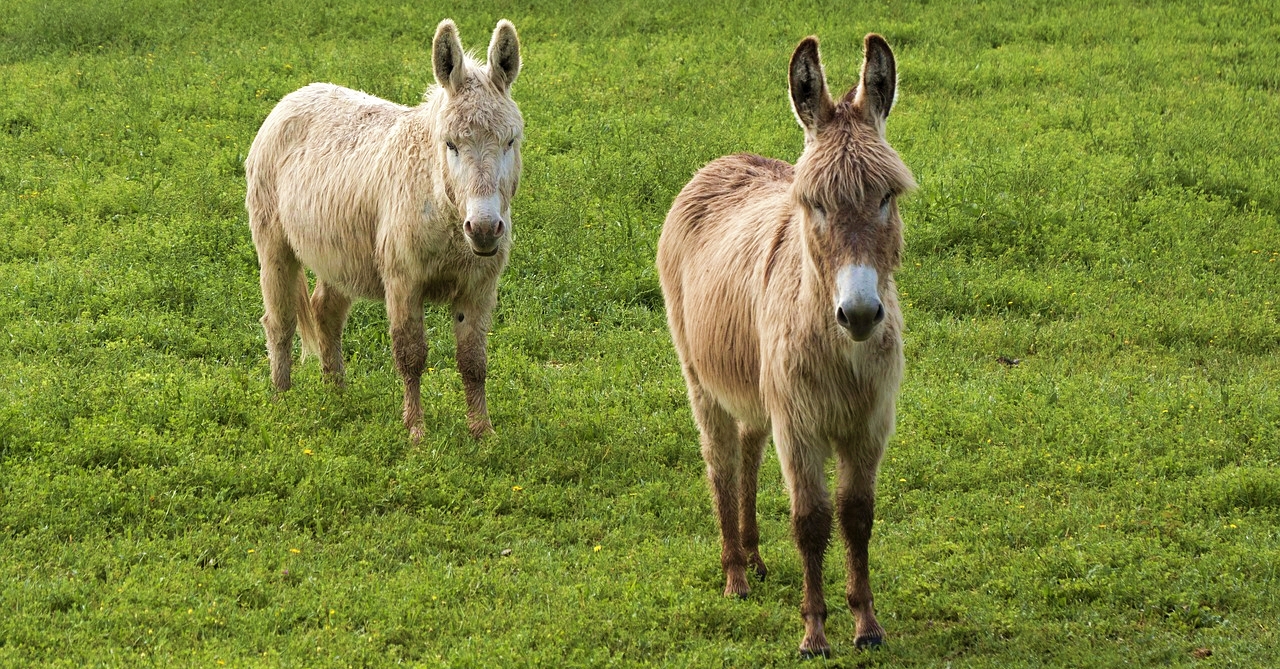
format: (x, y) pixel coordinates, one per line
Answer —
(822, 211)
(452, 147)
(884, 204)
(511, 142)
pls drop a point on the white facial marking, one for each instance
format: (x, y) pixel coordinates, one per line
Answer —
(484, 208)
(857, 285)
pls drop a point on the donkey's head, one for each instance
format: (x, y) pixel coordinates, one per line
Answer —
(479, 132)
(847, 182)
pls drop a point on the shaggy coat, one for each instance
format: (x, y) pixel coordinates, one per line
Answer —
(779, 289)
(386, 202)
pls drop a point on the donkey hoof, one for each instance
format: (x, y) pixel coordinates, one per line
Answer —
(823, 651)
(868, 642)
(416, 433)
(758, 567)
(480, 430)
(736, 586)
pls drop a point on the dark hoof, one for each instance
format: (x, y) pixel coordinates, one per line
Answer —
(868, 642)
(480, 430)
(810, 653)
(737, 588)
(757, 565)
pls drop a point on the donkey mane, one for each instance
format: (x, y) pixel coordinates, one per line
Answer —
(467, 110)
(855, 161)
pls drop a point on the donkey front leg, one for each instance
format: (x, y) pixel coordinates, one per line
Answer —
(409, 346)
(471, 319)
(802, 466)
(857, 501)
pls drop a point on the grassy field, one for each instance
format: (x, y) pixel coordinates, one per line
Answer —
(1098, 199)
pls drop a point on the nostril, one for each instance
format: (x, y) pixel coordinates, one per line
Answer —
(841, 318)
(879, 313)
(466, 227)
(497, 229)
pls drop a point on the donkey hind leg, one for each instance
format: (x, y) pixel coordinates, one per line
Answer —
(722, 451)
(279, 272)
(802, 465)
(857, 499)
(752, 450)
(330, 308)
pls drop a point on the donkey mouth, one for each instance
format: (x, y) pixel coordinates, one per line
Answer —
(488, 254)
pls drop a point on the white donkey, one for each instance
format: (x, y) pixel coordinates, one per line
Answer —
(394, 203)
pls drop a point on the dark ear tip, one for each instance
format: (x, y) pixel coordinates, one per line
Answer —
(875, 41)
(806, 51)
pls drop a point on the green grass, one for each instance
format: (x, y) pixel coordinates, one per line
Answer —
(1098, 199)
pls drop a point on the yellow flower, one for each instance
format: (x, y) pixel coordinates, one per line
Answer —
(597, 548)
(307, 451)
(295, 550)
(516, 488)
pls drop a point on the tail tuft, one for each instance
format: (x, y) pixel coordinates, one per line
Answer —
(306, 319)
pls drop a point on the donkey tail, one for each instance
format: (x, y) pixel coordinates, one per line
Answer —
(306, 319)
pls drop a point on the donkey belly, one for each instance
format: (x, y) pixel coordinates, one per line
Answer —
(333, 236)
(723, 351)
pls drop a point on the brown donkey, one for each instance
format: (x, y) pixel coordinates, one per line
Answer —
(394, 203)
(779, 289)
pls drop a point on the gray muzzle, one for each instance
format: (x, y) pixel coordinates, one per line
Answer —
(484, 235)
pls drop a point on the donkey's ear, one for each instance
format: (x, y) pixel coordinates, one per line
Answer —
(504, 55)
(446, 57)
(879, 82)
(809, 97)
